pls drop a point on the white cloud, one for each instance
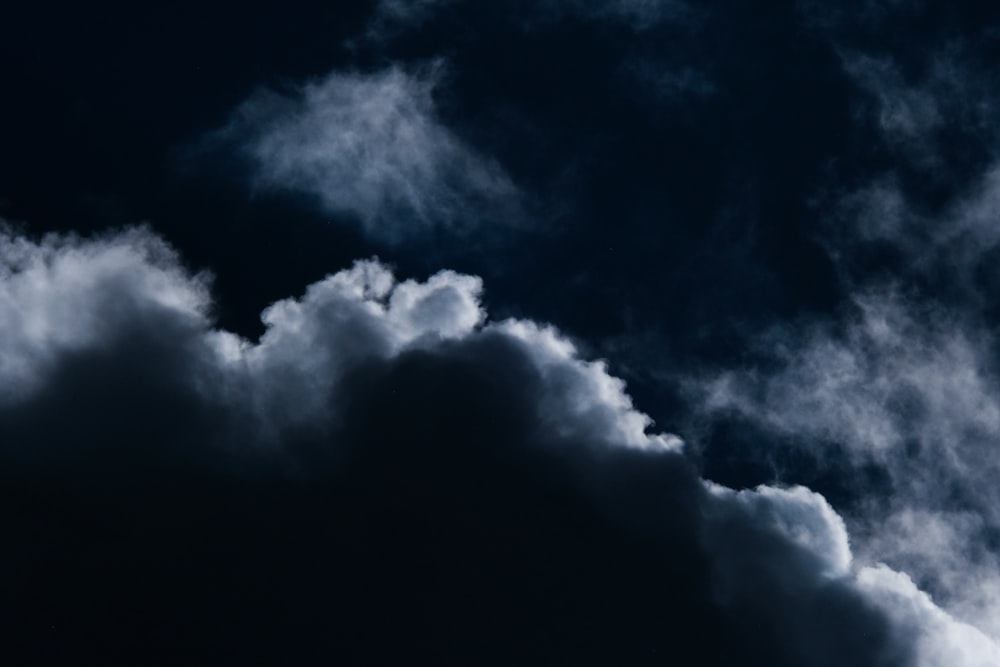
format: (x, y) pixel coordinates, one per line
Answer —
(65, 295)
(940, 640)
(918, 627)
(372, 146)
(894, 377)
(62, 295)
(583, 401)
(801, 516)
(948, 550)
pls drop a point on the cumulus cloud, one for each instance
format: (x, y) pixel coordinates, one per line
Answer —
(62, 296)
(372, 146)
(383, 456)
(938, 639)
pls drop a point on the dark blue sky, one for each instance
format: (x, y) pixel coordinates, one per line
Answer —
(776, 223)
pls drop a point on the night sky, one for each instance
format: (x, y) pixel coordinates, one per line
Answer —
(593, 332)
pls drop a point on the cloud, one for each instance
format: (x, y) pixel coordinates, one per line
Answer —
(789, 547)
(384, 462)
(63, 299)
(904, 381)
(938, 639)
(61, 296)
(893, 378)
(913, 391)
(942, 254)
(936, 113)
(372, 146)
(902, 112)
(895, 398)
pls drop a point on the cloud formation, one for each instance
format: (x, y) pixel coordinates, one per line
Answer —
(912, 113)
(897, 394)
(914, 393)
(372, 146)
(517, 470)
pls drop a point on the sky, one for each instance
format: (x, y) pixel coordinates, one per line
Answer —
(635, 332)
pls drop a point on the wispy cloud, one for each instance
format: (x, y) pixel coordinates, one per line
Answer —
(926, 112)
(904, 378)
(371, 146)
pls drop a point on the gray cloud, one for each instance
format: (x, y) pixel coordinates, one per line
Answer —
(64, 296)
(116, 337)
(937, 639)
(953, 246)
(893, 377)
(913, 391)
(922, 116)
(905, 113)
(372, 146)
(904, 378)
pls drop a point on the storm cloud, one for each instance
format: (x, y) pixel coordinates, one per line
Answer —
(618, 332)
(423, 466)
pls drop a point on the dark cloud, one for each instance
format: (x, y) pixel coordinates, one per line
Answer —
(381, 475)
(777, 222)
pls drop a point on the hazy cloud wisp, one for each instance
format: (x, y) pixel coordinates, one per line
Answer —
(372, 146)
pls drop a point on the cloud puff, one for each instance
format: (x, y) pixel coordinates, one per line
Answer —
(371, 145)
(62, 296)
(382, 457)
